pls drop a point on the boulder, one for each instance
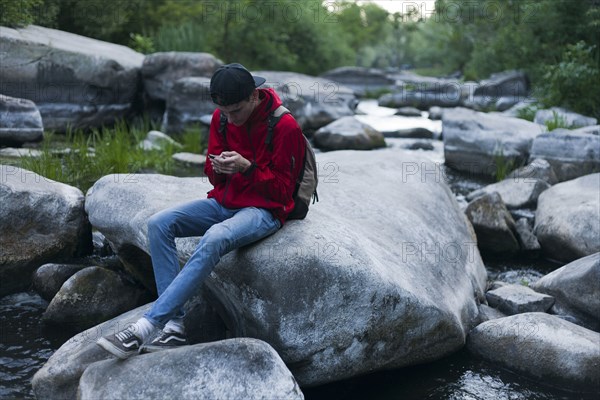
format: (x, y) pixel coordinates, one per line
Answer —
(348, 133)
(536, 169)
(21, 121)
(571, 153)
(48, 278)
(190, 159)
(91, 296)
(156, 140)
(487, 313)
(59, 377)
(576, 288)
(504, 89)
(425, 96)
(527, 239)
(435, 113)
(541, 346)
(188, 100)
(40, 220)
(314, 102)
(571, 119)
(409, 133)
(518, 299)
(493, 224)
(408, 112)
(475, 142)
(75, 81)
(334, 294)
(515, 193)
(161, 70)
(241, 368)
(361, 80)
(566, 219)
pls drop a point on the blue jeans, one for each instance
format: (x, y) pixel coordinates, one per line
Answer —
(222, 230)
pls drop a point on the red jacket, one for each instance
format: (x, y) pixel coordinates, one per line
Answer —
(270, 181)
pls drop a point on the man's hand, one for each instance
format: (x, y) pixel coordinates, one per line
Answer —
(230, 162)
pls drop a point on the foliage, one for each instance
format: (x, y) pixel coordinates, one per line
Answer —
(527, 113)
(557, 122)
(504, 165)
(141, 43)
(104, 151)
(574, 82)
(20, 13)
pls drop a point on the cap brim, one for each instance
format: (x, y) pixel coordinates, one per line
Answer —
(258, 80)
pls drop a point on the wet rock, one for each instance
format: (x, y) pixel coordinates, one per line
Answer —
(21, 121)
(187, 101)
(314, 102)
(570, 119)
(360, 80)
(59, 377)
(75, 81)
(423, 97)
(351, 300)
(48, 278)
(536, 169)
(161, 70)
(408, 112)
(435, 113)
(576, 288)
(241, 368)
(517, 299)
(91, 296)
(420, 145)
(101, 245)
(571, 153)
(493, 224)
(416, 132)
(515, 193)
(527, 239)
(541, 346)
(474, 141)
(348, 133)
(487, 313)
(40, 220)
(566, 219)
(503, 89)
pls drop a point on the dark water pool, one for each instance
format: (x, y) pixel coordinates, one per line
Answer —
(25, 347)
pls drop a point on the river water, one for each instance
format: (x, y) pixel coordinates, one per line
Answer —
(25, 345)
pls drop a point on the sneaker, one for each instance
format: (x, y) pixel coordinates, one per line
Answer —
(123, 344)
(166, 340)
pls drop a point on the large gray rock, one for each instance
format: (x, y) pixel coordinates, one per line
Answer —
(92, 296)
(493, 224)
(504, 89)
(517, 299)
(576, 288)
(240, 368)
(516, 193)
(48, 279)
(571, 119)
(348, 133)
(339, 293)
(474, 141)
(542, 346)
(314, 101)
(424, 97)
(59, 377)
(21, 121)
(188, 100)
(566, 220)
(361, 80)
(538, 168)
(571, 153)
(74, 80)
(40, 220)
(161, 70)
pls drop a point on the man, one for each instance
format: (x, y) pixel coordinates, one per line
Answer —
(252, 196)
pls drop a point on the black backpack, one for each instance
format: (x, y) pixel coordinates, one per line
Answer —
(306, 183)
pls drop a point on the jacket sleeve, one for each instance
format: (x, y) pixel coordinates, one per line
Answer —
(215, 146)
(277, 180)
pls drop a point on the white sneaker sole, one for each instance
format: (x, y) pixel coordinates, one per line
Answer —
(114, 350)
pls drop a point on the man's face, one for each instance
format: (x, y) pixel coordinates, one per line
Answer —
(239, 113)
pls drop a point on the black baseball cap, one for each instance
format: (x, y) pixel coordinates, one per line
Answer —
(233, 83)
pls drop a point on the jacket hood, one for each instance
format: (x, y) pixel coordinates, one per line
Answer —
(269, 102)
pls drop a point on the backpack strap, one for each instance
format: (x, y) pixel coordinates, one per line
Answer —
(223, 125)
(273, 120)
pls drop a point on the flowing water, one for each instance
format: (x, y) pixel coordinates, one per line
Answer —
(25, 345)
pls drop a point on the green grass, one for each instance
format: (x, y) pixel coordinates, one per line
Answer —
(557, 122)
(503, 164)
(105, 151)
(527, 113)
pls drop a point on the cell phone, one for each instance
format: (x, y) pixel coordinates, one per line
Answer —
(212, 156)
